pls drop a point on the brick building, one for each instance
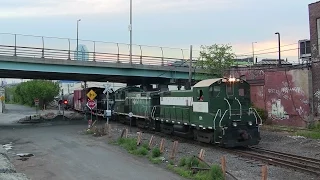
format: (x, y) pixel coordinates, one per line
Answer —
(314, 23)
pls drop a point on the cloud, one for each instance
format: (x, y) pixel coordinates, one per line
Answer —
(35, 8)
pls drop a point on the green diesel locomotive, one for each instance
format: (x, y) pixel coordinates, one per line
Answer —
(215, 111)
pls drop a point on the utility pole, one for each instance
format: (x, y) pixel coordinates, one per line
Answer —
(78, 36)
(253, 52)
(62, 103)
(279, 63)
(130, 29)
(106, 92)
(190, 67)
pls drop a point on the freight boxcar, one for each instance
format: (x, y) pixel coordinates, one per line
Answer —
(80, 100)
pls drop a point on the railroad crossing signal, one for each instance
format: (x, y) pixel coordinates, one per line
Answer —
(91, 104)
(107, 88)
(91, 94)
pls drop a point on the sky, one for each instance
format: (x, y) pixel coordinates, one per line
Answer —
(177, 24)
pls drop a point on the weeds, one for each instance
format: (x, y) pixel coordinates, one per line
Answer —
(156, 152)
(184, 169)
(185, 165)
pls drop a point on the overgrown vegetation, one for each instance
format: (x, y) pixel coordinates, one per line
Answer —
(313, 132)
(263, 114)
(25, 92)
(130, 144)
(185, 166)
(215, 59)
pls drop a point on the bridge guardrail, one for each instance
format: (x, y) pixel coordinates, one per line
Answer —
(66, 49)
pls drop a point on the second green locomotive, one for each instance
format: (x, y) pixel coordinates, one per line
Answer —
(215, 111)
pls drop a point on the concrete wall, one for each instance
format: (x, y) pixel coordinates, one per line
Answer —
(314, 14)
(284, 94)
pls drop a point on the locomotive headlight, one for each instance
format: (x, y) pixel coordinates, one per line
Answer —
(250, 123)
(234, 124)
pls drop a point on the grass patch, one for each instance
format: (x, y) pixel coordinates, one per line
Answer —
(309, 134)
(312, 132)
(156, 152)
(184, 169)
(130, 144)
(89, 131)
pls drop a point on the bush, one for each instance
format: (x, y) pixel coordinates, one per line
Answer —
(130, 144)
(262, 113)
(184, 169)
(182, 162)
(215, 173)
(141, 151)
(156, 152)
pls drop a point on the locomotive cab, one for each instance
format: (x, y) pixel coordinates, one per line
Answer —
(222, 108)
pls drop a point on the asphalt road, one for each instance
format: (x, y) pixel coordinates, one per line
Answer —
(61, 152)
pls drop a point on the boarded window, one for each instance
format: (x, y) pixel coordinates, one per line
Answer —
(241, 92)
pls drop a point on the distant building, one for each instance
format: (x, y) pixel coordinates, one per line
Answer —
(314, 26)
(272, 62)
(82, 54)
(243, 62)
(304, 50)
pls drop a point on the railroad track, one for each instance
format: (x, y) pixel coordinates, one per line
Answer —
(296, 162)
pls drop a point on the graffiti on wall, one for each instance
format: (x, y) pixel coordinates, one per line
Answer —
(277, 111)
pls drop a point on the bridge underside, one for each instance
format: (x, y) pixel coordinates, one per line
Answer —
(86, 77)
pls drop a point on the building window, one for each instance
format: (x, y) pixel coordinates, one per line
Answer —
(318, 34)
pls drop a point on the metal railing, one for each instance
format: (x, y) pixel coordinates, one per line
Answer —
(66, 49)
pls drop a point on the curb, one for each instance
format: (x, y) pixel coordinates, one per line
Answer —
(5, 165)
(7, 169)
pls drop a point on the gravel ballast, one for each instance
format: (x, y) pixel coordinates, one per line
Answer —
(241, 168)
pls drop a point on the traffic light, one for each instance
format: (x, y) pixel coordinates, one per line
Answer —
(65, 102)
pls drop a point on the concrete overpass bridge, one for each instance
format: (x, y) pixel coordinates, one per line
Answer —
(61, 59)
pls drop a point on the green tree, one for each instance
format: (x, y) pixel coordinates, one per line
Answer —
(44, 90)
(215, 59)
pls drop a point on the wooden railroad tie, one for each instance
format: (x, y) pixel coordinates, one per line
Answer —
(124, 133)
(174, 149)
(151, 142)
(201, 154)
(139, 138)
(223, 166)
(264, 173)
(162, 145)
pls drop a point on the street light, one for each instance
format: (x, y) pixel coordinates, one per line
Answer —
(279, 48)
(78, 36)
(130, 29)
(253, 51)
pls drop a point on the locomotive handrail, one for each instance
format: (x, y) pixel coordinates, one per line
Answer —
(256, 116)
(222, 117)
(215, 117)
(229, 107)
(240, 106)
(153, 111)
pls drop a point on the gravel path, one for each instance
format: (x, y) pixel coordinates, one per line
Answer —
(241, 168)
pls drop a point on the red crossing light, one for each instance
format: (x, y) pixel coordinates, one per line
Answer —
(65, 102)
